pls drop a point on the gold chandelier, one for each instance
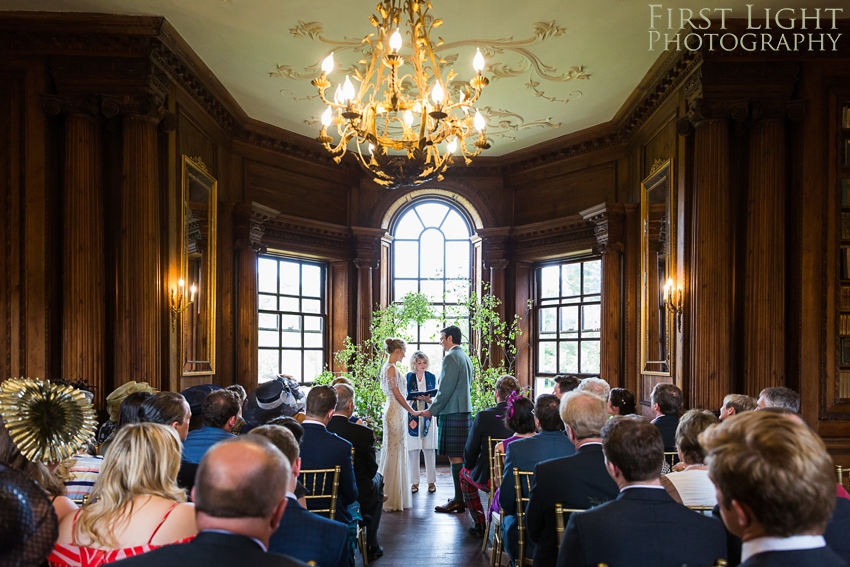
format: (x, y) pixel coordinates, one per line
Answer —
(410, 112)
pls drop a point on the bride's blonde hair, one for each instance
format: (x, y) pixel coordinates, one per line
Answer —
(394, 344)
(143, 461)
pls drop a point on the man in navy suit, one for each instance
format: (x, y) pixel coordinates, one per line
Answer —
(775, 489)
(644, 526)
(321, 449)
(524, 454)
(579, 481)
(302, 534)
(666, 401)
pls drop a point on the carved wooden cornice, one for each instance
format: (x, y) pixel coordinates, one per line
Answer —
(367, 242)
(609, 225)
(249, 225)
(550, 239)
(303, 152)
(495, 243)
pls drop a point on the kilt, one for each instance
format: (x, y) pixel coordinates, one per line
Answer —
(453, 429)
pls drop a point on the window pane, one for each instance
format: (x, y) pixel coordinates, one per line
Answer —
(454, 227)
(406, 259)
(291, 363)
(457, 259)
(546, 358)
(311, 281)
(267, 275)
(268, 364)
(409, 226)
(457, 291)
(313, 364)
(268, 321)
(433, 289)
(289, 276)
(311, 305)
(590, 357)
(435, 357)
(432, 214)
(430, 331)
(593, 277)
(431, 261)
(569, 321)
(403, 287)
(313, 324)
(269, 339)
(590, 318)
(412, 331)
(267, 302)
(547, 323)
(291, 325)
(549, 281)
(290, 304)
(568, 357)
(313, 338)
(571, 278)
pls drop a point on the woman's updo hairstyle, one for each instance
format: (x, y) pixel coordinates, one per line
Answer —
(394, 344)
(624, 400)
(521, 419)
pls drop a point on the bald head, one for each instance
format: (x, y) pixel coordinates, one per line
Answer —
(244, 477)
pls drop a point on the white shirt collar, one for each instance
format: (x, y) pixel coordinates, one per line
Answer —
(313, 421)
(255, 540)
(653, 486)
(763, 544)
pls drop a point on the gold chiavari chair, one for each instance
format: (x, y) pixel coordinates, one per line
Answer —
(322, 484)
(561, 520)
(704, 510)
(497, 477)
(839, 473)
(671, 458)
(522, 480)
(491, 444)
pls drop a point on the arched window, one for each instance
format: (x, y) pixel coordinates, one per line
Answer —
(432, 254)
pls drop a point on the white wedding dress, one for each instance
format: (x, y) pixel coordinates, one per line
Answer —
(394, 459)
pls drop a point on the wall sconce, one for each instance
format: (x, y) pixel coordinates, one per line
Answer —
(673, 301)
(178, 301)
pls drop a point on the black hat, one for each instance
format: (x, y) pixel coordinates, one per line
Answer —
(28, 524)
(195, 395)
(271, 399)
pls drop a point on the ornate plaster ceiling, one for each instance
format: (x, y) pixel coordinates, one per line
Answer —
(555, 66)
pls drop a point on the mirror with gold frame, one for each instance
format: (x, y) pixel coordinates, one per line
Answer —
(198, 266)
(657, 214)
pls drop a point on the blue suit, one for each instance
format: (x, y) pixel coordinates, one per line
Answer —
(524, 454)
(321, 449)
(199, 441)
(310, 537)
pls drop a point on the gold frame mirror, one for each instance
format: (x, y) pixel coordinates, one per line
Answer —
(198, 265)
(658, 249)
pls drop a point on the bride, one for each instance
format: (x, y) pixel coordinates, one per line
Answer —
(394, 465)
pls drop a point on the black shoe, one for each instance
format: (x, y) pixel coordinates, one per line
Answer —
(477, 531)
(451, 506)
(374, 552)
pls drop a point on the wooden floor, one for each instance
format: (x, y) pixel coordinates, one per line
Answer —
(420, 536)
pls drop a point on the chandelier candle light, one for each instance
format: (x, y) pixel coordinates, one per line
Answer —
(410, 112)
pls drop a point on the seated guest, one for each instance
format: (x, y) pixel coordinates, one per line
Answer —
(346, 381)
(82, 474)
(240, 497)
(321, 449)
(127, 413)
(195, 396)
(290, 423)
(524, 455)
(475, 474)
(370, 483)
(222, 412)
(691, 486)
(733, 404)
(596, 386)
(302, 534)
(136, 504)
(27, 542)
(643, 527)
(579, 481)
(113, 406)
(172, 409)
(666, 401)
(779, 398)
(775, 489)
(240, 392)
(621, 402)
(565, 383)
(519, 418)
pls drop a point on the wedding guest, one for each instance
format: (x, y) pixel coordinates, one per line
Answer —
(621, 402)
(733, 404)
(780, 397)
(691, 486)
(596, 386)
(666, 401)
(565, 383)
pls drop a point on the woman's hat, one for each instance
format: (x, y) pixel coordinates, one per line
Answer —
(113, 400)
(28, 524)
(277, 397)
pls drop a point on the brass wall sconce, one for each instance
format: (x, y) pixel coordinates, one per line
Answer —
(178, 301)
(673, 301)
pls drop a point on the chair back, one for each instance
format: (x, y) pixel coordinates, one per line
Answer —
(498, 471)
(671, 457)
(522, 483)
(839, 473)
(704, 510)
(491, 449)
(323, 485)
(561, 514)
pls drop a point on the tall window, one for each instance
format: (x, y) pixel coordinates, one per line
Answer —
(568, 320)
(293, 318)
(432, 254)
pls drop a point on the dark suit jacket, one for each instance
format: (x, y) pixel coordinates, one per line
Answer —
(310, 537)
(821, 557)
(643, 527)
(211, 548)
(365, 463)
(667, 424)
(321, 449)
(524, 454)
(838, 529)
(489, 422)
(580, 481)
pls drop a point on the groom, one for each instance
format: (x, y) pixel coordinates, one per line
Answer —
(453, 407)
